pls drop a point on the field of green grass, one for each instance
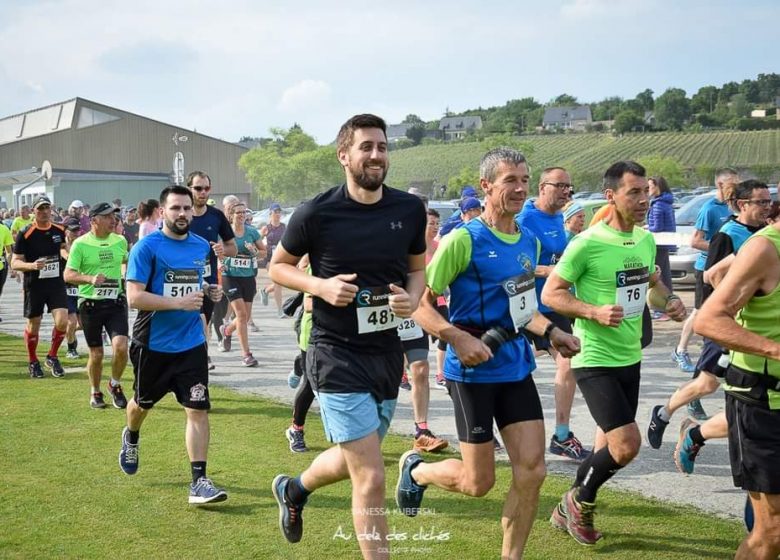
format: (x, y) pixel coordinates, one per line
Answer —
(593, 153)
(62, 494)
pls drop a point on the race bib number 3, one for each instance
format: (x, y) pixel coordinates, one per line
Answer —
(631, 290)
(373, 311)
(521, 291)
(179, 283)
(51, 269)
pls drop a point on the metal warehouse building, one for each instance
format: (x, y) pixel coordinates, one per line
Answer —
(100, 153)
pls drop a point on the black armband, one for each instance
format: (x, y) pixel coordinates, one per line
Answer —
(548, 330)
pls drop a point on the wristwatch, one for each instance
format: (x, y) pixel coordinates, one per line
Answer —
(548, 330)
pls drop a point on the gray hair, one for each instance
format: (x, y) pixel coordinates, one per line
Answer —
(488, 167)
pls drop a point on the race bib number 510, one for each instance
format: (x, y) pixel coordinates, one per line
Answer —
(179, 283)
(373, 310)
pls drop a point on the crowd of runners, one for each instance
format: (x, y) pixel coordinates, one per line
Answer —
(380, 280)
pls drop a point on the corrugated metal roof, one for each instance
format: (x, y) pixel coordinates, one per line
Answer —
(37, 122)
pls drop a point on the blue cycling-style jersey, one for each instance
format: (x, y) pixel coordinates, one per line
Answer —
(172, 268)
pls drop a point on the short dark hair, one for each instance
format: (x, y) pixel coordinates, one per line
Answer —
(174, 189)
(614, 175)
(744, 191)
(433, 212)
(347, 132)
(201, 174)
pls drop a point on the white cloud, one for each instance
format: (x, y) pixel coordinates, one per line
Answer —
(305, 95)
(36, 87)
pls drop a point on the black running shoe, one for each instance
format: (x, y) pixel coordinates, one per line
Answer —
(35, 370)
(54, 365)
(290, 515)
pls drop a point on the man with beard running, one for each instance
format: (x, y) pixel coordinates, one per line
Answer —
(366, 244)
(168, 351)
(213, 226)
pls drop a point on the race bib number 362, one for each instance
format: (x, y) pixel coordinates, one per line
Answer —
(373, 311)
(179, 283)
(51, 269)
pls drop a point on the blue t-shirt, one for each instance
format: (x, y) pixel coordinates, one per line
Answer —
(549, 230)
(212, 226)
(244, 264)
(173, 268)
(712, 216)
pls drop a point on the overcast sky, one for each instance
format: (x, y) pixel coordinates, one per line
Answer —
(238, 67)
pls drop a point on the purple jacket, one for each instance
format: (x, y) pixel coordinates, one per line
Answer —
(661, 215)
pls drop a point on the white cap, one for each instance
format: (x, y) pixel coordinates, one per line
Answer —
(76, 204)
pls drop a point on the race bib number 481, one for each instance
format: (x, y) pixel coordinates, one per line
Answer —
(373, 311)
(179, 283)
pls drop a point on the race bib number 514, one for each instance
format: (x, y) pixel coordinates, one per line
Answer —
(373, 310)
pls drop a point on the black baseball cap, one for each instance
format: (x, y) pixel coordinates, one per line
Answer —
(71, 224)
(40, 201)
(102, 209)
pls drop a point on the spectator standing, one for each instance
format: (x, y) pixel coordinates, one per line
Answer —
(660, 219)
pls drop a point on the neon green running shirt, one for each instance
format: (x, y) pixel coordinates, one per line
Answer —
(606, 267)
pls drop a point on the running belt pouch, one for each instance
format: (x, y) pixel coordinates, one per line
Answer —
(757, 384)
(292, 303)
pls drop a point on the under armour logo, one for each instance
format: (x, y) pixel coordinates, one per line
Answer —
(396, 225)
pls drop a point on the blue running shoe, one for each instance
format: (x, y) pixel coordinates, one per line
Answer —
(128, 456)
(290, 515)
(297, 443)
(408, 494)
(204, 492)
(685, 452)
(683, 361)
(696, 411)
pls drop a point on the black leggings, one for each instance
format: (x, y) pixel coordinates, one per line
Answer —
(218, 315)
(304, 396)
(3, 276)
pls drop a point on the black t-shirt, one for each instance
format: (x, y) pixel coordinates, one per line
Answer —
(33, 243)
(212, 226)
(374, 241)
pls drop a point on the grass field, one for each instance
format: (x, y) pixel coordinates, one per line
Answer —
(593, 153)
(62, 494)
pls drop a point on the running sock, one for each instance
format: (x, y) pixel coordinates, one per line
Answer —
(296, 427)
(561, 431)
(132, 437)
(583, 470)
(663, 414)
(95, 389)
(296, 492)
(696, 436)
(73, 345)
(198, 470)
(57, 337)
(419, 428)
(114, 382)
(31, 341)
(602, 468)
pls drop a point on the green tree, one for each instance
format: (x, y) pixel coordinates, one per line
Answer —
(668, 167)
(292, 167)
(672, 109)
(627, 121)
(413, 119)
(645, 101)
(704, 100)
(416, 133)
(468, 175)
(705, 174)
(740, 106)
(564, 100)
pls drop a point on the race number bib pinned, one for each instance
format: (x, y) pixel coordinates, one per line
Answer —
(109, 289)
(241, 262)
(521, 291)
(71, 291)
(373, 310)
(179, 283)
(408, 329)
(51, 269)
(631, 290)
